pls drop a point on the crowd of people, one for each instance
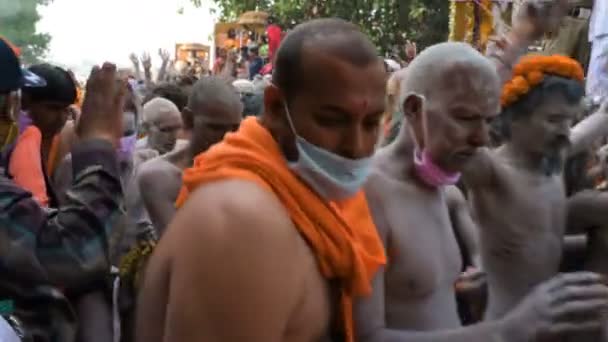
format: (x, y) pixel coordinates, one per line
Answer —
(342, 197)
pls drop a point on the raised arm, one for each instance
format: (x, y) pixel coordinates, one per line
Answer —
(146, 62)
(233, 267)
(588, 131)
(534, 20)
(135, 61)
(68, 247)
(162, 72)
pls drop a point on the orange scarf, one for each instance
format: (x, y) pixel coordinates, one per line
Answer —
(52, 162)
(25, 165)
(342, 235)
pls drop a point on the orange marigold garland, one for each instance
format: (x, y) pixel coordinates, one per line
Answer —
(531, 71)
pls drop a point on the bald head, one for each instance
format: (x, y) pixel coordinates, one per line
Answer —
(444, 65)
(212, 93)
(449, 95)
(214, 109)
(334, 37)
(159, 109)
(162, 121)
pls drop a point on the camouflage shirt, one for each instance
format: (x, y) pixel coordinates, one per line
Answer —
(68, 247)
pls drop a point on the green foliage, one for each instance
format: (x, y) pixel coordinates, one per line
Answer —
(18, 23)
(389, 23)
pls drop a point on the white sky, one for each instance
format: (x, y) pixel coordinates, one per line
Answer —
(88, 32)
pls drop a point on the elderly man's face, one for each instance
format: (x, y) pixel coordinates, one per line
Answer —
(454, 121)
(162, 133)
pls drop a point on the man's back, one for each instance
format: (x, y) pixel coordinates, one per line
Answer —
(232, 257)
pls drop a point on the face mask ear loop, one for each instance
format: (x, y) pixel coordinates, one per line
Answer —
(288, 115)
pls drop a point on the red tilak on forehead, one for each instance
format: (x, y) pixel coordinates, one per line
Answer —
(364, 104)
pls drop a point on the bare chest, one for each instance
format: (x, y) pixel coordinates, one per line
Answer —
(521, 229)
(422, 250)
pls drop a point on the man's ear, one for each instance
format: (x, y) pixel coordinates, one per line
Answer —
(273, 102)
(188, 118)
(412, 107)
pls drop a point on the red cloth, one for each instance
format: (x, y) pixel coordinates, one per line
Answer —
(274, 34)
(266, 69)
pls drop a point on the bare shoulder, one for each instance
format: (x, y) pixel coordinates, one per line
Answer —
(153, 173)
(481, 170)
(235, 208)
(142, 155)
(235, 265)
(236, 221)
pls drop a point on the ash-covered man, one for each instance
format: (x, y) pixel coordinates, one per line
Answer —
(458, 91)
(213, 110)
(162, 122)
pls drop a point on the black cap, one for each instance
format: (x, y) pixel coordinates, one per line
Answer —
(60, 86)
(12, 76)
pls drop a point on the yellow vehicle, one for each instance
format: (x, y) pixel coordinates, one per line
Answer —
(191, 51)
(247, 29)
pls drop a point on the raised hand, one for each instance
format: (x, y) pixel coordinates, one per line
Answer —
(568, 303)
(164, 55)
(146, 61)
(134, 60)
(538, 17)
(102, 109)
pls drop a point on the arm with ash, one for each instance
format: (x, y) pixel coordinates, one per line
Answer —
(588, 131)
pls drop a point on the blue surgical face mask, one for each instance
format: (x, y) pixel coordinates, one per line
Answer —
(333, 177)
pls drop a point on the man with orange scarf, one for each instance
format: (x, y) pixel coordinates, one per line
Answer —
(45, 111)
(274, 238)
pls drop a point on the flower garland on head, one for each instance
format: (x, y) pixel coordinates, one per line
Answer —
(531, 70)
